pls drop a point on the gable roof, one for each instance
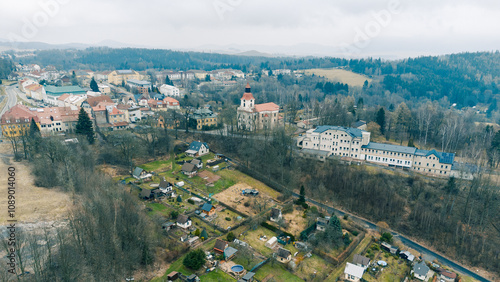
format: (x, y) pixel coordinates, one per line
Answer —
(195, 161)
(19, 112)
(182, 219)
(220, 245)
(188, 167)
(354, 270)
(284, 253)
(94, 101)
(359, 259)
(448, 274)
(421, 268)
(275, 212)
(196, 145)
(164, 183)
(146, 193)
(207, 207)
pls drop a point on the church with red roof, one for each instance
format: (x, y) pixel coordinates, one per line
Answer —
(253, 116)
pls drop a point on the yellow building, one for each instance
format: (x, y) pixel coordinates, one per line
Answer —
(204, 117)
(116, 77)
(16, 121)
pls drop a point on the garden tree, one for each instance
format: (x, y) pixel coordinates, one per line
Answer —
(302, 193)
(194, 259)
(174, 214)
(84, 126)
(74, 79)
(155, 139)
(374, 129)
(410, 143)
(402, 121)
(34, 129)
(207, 77)
(230, 236)
(126, 145)
(179, 198)
(426, 117)
(93, 85)
(204, 234)
(197, 232)
(386, 237)
(168, 81)
(347, 239)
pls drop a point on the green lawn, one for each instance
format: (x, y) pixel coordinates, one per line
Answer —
(159, 165)
(339, 271)
(313, 267)
(280, 274)
(252, 238)
(217, 275)
(220, 185)
(175, 266)
(158, 208)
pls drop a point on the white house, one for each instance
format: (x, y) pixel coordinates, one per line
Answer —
(197, 149)
(353, 272)
(169, 90)
(183, 221)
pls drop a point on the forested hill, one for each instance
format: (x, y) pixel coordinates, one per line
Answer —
(465, 79)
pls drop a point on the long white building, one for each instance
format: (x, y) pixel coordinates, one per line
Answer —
(354, 143)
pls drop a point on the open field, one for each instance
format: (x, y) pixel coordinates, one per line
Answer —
(216, 276)
(252, 238)
(313, 267)
(339, 75)
(238, 176)
(278, 272)
(32, 203)
(295, 222)
(157, 166)
(394, 271)
(221, 219)
(233, 198)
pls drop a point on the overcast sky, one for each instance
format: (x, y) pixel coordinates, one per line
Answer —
(317, 27)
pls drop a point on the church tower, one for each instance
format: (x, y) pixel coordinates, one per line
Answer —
(247, 101)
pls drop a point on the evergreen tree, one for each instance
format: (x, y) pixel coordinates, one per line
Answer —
(74, 80)
(302, 198)
(168, 81)
(204, 235)
(410, 143)
(84, 126)
(93, 85)
(179, 198)
(207, 77)
(34, 129)
(194, 259)
(380, 119)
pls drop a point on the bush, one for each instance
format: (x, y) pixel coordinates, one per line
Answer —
(386, 237)
(355, 233)
(228, 218)
(268, 226)
(179, 198)
(346, 216)
(191, 201)
(230, 237)
(194, 259)
(247, 204)
(305, 206)
(174, 214)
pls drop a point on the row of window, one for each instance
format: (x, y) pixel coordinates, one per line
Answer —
(430, 170)
(372, 158)
(387, 153)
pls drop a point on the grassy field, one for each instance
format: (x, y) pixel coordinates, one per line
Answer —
(158, 208)
(280, 274)
(238, 176)
(157, 166)
(394, 271)
(339, 75)
(313, 267)
(221, 219)
(339, 271)
(217, 275)
(175, 266)
(252, 238)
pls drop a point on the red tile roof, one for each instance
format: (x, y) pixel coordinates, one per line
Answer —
(94, 101)
(267, 107)
(18, 112)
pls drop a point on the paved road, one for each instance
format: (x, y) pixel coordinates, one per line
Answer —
(11, 98)
(408, 242)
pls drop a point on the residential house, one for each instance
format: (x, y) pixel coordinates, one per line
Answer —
(275, 214)
(36, 92)
(17, 121)
(189, 169)
(198, 163)
(118, 76)
(170, 119)
(220, 246)
(360, 260)
(321, 223)
(140, 173)
(197, 149)
(183, 221)
(407, 255)
(70, 100)
(58, 119)
(283, 255)
(420, 270)
(229, 253)
(447, 276)
(171, 103)
(169, 90)
(253, 116)
(168, 225)
(104, 89)
(134, 114)
(146, 194)
(208, 209)
(166, 188)
(353, 272)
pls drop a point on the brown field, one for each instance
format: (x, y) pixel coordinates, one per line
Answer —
(232, 197)
(339, 75)
(295, 222)
(32, 203)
